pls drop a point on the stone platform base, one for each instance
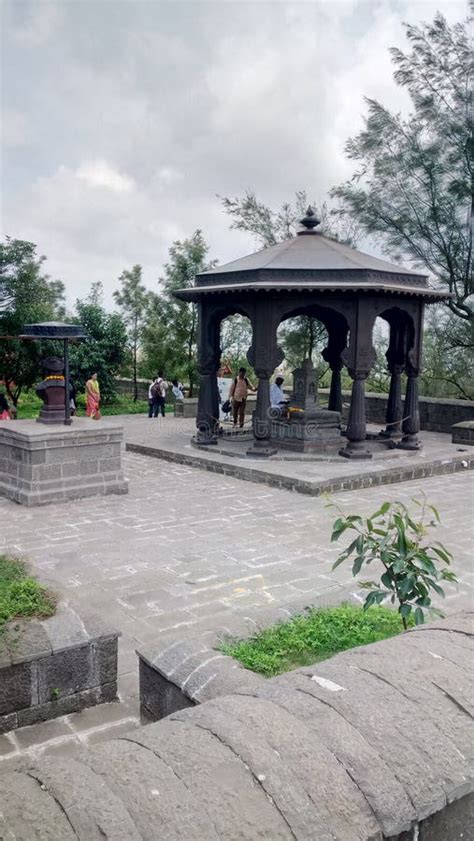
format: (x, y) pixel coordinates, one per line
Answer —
(463, 433)
(41, 464)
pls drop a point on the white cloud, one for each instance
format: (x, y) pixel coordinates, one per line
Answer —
(126, 120)
(101, 174)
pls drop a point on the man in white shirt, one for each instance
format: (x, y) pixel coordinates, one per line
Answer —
(278, 398)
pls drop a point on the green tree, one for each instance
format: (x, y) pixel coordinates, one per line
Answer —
(27, 295)
(132, 299)
(171, 333)
(448, 356)
(105, 351)
(414, 184)
(236, 338)
(271, 226)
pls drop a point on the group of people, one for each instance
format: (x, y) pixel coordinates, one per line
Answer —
(240, 389)
(157, 392)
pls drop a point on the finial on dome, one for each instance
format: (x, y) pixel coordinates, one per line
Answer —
(310, 221)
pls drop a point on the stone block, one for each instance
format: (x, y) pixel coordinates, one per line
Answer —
(159, 697)
(66, 673)
(95, 812)
(104, 666)
(154, 807)
(219, 779)
(463, 433)
(17, 687)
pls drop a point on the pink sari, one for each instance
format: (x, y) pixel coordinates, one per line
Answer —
(92, 399)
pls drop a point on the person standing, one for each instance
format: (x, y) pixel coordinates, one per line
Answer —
(238, 394)
(4, 408)
(153, 392)
(161, 389)
(177, 389)
(93, 398)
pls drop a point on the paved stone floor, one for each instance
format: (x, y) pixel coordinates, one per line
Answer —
(192, 553)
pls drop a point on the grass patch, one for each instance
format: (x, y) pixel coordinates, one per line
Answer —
(20, 594)
(29, 405)
(313, 636)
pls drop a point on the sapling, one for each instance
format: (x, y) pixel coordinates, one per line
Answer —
(399, 540)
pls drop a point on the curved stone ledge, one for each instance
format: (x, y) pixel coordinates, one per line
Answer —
(373, 744)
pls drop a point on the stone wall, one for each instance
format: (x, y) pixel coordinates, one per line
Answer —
(40, 464)
(55, 666)
(436, 413)
(373, 744)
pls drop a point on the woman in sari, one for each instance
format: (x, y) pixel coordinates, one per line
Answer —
(4, 408)
(92, 398)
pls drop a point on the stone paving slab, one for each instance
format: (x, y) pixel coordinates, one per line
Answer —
(193, 555)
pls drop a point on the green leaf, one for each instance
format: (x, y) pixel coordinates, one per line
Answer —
(387, 581)
(435, 512)
(405, 610)
(419, 616)
(339, 561)
(442, 553)
(356, 567)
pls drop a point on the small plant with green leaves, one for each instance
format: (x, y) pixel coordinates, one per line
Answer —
(413, 564)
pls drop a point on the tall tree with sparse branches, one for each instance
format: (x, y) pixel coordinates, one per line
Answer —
(170, 336)
(414, 185)
(132, 299)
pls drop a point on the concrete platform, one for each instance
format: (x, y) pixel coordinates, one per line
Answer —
(41, 464)
(311, 474)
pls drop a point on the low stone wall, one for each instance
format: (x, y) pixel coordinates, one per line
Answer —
(187, 408)
(41, 464)
(125, 386)
(55, 666)
(374, 744)
(436, 413)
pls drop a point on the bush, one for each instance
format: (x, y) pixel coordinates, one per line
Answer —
(394, 538)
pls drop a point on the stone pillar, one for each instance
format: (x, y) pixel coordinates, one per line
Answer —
(393, 427)
(335, 391)
(332, 355)
(207, 417)
(359, 358)
(261, 421)
(264, 356)
(357, 425)
(411, 422)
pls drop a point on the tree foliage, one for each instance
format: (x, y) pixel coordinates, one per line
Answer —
(170, 337)
(396, 539)
(271, 226)
(414, 183)
(132, 298)
(27, 295)
(106, 348)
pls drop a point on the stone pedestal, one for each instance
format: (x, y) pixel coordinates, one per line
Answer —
(317, 433)
(306, 428)
(41, 464)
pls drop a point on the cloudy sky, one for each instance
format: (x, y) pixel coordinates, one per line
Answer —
(123, 120)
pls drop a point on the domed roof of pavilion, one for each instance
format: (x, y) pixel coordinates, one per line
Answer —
(311, 261)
